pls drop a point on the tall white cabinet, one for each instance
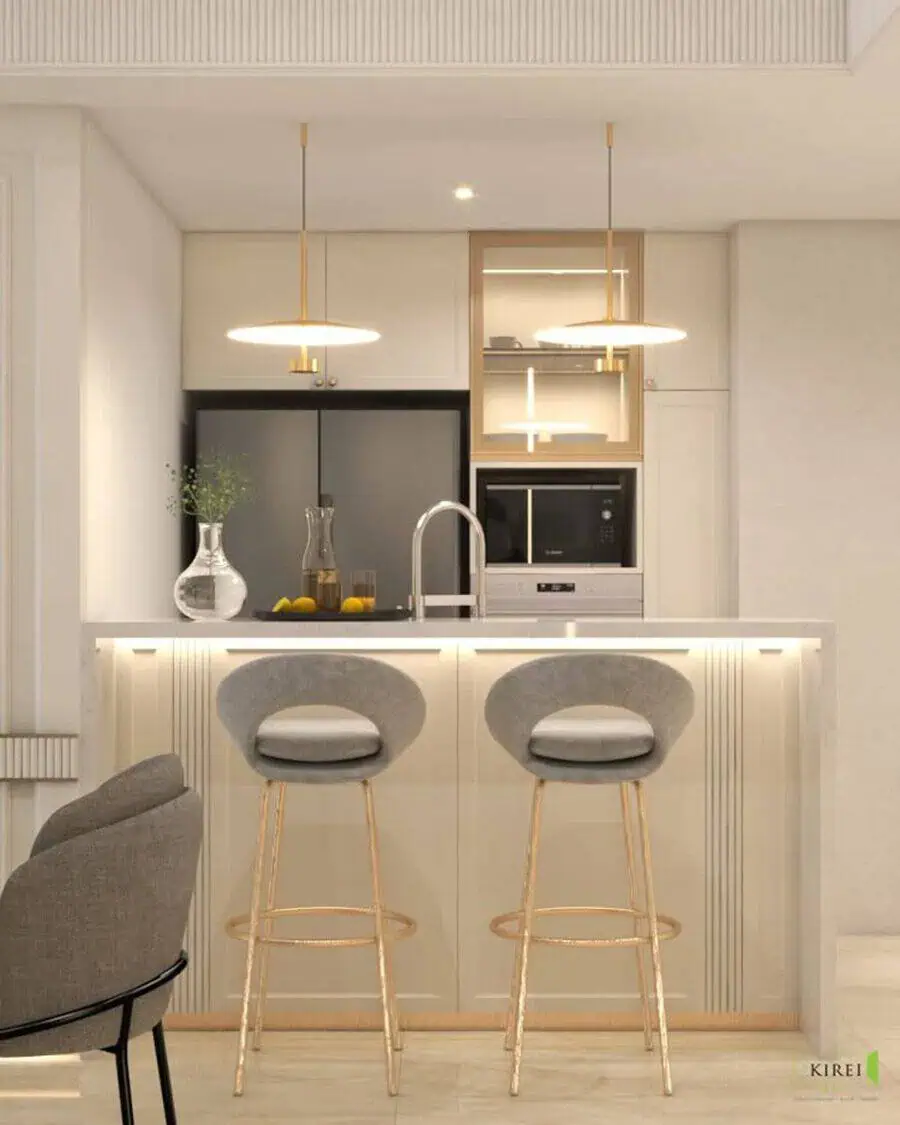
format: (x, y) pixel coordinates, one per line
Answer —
(687, 557)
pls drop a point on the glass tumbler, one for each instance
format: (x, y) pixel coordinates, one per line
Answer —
(363, 586)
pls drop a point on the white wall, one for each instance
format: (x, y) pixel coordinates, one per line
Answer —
(131, 391)
(40, 326)
(816, 446)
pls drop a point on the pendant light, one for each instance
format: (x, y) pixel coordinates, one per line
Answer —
(303, 333)
(609, 332)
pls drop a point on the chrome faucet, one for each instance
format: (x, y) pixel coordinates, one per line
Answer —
(478, 571)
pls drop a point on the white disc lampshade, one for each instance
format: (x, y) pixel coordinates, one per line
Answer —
(610, 334)
(303, 334)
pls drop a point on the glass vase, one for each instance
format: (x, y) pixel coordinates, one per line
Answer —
(210, 589)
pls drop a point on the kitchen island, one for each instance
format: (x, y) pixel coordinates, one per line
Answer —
(740, 818)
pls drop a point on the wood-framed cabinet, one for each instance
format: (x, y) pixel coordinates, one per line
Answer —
(551, 403)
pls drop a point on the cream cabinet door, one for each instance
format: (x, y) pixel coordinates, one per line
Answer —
(686, 285)
(414, 290)
(686, 490)
(237, 279)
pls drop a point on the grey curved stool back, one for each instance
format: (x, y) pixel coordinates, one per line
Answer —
(518, 712)
(389, 713)
(388, 698)
(525, 696)
(92, 924)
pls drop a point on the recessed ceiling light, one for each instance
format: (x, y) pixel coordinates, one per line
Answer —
(464, 191)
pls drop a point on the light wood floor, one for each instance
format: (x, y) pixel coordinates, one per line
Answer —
(736, 1078)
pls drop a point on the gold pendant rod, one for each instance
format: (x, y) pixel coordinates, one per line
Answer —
(609, 236)
(304, 249)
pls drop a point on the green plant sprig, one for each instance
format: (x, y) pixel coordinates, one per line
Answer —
(208, 490)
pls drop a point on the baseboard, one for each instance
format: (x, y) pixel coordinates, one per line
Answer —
(489, 1021)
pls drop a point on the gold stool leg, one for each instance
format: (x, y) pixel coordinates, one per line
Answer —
(267, 924)
(517, 961)
(255, 897)
(525, 940)
(387, 1000)
(633, 904)
(396, 1030)
(654, 938)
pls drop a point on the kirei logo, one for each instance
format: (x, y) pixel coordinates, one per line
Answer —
(868, 1069)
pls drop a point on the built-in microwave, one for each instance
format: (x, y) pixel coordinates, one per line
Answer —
(557, 517)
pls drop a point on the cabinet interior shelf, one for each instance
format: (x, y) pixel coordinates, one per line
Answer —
(545, 352)
(551, 372)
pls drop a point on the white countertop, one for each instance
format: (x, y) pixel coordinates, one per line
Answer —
(471, 631)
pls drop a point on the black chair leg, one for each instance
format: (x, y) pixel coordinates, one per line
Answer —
(165, 1077)
(124, 1078)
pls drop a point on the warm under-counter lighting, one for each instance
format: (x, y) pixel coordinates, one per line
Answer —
(464, 192)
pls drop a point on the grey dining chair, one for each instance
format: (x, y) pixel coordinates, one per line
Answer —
(387, 713)
(522, 712)
(92, 923)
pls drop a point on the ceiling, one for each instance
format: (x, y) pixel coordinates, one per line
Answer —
(696, 149)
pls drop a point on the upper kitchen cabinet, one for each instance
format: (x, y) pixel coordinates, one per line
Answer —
(232, 280)
(686, 283)
(535, 401)
(414, 290)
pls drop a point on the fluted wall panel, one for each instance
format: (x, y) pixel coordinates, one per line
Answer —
(191, 716)
(38, 757)
(245, 34)
(724, 828)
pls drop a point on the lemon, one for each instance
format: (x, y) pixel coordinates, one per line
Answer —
(304, 605)
(353, 605)
(281, 605)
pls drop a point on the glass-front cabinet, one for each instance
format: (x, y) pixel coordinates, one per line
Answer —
(544, 402)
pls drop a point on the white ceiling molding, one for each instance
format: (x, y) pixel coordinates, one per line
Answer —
(865, 20)
(253, 35)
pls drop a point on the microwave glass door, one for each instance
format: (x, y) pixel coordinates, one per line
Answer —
(505, 519)
(577, 525)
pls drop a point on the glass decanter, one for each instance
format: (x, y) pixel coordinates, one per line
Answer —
(321, 579)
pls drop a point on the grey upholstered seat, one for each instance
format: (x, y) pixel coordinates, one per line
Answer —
(100, 907)
(388, 712)
(658, 697)
(612, 739)
(318, 740)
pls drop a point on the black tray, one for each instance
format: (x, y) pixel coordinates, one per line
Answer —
(334, 615)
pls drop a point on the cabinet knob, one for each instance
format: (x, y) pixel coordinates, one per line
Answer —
(318, 381)
(650, 384)
(332, 382)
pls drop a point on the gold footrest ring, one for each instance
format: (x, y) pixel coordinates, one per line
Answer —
(668, 927)
(404, 926)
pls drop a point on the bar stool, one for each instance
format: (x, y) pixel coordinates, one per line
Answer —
(522, 715)
(388, 714)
